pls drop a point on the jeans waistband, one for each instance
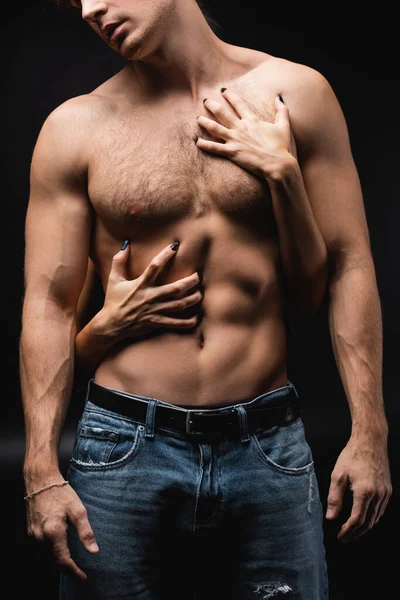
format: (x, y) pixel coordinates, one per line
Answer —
(259, 400)
(278, 406)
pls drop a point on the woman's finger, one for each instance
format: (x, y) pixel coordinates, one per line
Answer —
(164, 321)
(118, 264)
(180, 303)
(175, 288)
(222, 113)
(237, 103)
(213, 127)
(152, 271)
(282, 113)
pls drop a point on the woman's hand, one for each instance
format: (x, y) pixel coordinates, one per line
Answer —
(261, 147)
(135, 307)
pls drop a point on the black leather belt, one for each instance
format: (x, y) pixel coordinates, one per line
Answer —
(197, 422)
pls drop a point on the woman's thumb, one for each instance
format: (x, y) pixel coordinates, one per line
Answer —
(119, 261)
(282, 113)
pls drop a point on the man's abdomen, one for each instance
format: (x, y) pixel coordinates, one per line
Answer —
(238, 349)
(222, 363)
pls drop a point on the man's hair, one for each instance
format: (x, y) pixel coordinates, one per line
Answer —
(204, 6)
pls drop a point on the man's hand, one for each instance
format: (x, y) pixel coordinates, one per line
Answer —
(47, 515)
(362, 466)
(258, 146)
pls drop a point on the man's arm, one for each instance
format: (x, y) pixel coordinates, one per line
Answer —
(355, 322)
(58, 224)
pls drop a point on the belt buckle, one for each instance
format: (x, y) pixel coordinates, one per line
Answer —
(189, 423)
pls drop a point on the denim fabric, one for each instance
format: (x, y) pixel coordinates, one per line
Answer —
(236, 518)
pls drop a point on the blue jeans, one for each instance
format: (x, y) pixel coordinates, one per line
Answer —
(233, 519)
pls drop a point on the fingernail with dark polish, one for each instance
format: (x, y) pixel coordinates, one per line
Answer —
(175, 246)
(223, 89)
(125, 244)
(204, 100)
(280, 98)
(199, 317)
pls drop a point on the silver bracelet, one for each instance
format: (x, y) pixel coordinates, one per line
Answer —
(46, 488)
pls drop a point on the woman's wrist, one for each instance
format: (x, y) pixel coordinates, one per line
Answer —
(93, 342)
(101, 328)
(286, 168)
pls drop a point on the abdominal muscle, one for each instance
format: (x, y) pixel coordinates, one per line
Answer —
(238, 349)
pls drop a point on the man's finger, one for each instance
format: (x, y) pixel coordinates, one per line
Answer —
(335, 496)
(383, 505)
(361, 503)
(84, 530)
(63, 556)
(370, 518)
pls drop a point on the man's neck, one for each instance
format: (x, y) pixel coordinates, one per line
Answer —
(190, 60)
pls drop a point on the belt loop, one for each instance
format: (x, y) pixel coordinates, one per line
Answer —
(294, 389)
(150, 418)
(88, 390)
(244, 430)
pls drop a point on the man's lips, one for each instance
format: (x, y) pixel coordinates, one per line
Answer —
(116, 32)
(111, 30)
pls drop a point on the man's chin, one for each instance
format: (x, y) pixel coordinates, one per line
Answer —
(128, 51)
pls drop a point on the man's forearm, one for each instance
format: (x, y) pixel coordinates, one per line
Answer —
(46, 371)
(355, 323)
(303, 250)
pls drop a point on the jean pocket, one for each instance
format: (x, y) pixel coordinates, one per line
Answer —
(284, 448)
(105, 441)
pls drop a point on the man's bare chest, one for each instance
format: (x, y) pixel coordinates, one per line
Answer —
(145, 167)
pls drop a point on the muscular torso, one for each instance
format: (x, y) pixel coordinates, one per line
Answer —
(149, 182)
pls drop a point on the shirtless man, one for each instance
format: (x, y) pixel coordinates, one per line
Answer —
(158, 154)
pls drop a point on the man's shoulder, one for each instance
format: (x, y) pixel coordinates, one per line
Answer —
(85, 112)
(292, 76)
(313, 106)
(65, 135)
(77, 112)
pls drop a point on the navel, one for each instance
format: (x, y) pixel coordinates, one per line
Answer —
(201, 339)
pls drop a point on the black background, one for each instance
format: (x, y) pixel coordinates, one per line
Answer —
(49, 57)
